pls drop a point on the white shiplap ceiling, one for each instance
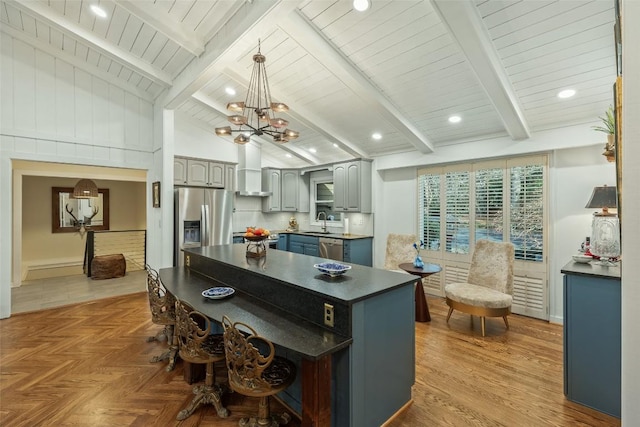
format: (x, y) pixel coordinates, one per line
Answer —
(400, 69)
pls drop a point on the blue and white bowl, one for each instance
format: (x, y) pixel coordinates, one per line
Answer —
(332, 269)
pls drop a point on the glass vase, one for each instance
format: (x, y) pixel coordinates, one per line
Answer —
(418, 263)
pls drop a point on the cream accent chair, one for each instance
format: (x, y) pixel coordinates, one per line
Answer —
(489, 287)
(399, 250)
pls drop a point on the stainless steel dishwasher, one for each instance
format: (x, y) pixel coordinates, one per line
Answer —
(331, 248)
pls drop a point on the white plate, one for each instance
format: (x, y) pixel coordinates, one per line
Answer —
(218, 292)
(582, 259)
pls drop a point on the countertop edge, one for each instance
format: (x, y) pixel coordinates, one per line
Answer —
(591, 269)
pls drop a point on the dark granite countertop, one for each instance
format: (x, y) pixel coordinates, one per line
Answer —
(359, 283)
(591, 269)
(278, 326)
(314, 234)
(328, 235)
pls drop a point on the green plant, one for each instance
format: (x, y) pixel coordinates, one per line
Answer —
(608, 121)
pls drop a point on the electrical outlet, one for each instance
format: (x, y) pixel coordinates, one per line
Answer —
(328, 315)
(187, 260)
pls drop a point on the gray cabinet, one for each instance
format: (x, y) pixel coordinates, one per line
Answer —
(216, 175)
(283, 242)
(358, 251)
(307, 245)
(355, 251)
(179, 171)
(289, 190)
(592, 337)
(271, 183)
(352, 186)
(230, 177)
(203, 173)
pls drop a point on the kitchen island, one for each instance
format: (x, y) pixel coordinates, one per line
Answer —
(352, 336)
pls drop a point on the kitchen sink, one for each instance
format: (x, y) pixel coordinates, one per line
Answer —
(317, 232)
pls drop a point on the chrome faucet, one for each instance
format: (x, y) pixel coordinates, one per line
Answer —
(324, 226)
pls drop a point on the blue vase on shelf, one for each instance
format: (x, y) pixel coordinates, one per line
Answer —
(418, 263)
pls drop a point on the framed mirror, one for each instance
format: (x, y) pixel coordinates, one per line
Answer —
(69, 215)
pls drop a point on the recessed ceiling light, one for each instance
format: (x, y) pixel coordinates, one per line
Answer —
(454, 119)
(312, 150)
(567, 93)
(230, 91)
(376, 136)
(98, 11)
(335, 145)
(288, 155)
(361, 5)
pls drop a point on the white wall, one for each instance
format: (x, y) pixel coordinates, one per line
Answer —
(191, 140)
(630, 217)
(573, 173)
(55, 112)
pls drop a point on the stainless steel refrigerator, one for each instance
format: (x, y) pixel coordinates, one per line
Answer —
(202, 218)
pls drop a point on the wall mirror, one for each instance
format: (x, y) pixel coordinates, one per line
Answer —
(69, 215)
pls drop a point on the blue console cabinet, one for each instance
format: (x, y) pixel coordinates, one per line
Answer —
(592, 336)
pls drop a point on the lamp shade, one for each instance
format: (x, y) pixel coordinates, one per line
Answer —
(603, 198)
(85, 189)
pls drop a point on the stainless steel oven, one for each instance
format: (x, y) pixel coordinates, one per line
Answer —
(331, 248)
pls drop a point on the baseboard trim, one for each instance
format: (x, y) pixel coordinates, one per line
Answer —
(397, 414)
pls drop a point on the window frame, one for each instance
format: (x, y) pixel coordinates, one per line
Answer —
(506, 165)
(315, 179)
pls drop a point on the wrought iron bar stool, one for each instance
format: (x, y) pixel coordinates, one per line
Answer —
(163, 312)
(198, 345)
(255, 371)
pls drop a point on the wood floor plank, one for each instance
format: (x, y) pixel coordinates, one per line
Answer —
(88, 365)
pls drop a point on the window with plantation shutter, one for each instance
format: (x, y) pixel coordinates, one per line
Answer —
(457, 212)
(499, 200)
(429, 199)
(526, 208)
(489, 223)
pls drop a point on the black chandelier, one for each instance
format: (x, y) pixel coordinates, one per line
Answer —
(258, 111)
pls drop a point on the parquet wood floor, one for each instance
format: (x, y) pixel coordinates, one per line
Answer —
(88, 365)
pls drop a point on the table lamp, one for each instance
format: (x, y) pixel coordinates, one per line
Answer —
(605, 227)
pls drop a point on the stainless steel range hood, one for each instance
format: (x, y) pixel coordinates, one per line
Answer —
(250, 171)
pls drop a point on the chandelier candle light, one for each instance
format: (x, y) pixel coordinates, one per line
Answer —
(258, 111)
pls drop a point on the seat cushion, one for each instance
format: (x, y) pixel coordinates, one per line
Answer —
(280, 372)
(214, 345)
(478, 296)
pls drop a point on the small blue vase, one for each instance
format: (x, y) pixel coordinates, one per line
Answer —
(418, 263)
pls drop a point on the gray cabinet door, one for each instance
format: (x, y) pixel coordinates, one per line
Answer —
(353, 184)
(296, 247)
(290, 188)
(271, 182)
(230, 177)
(179, 171)
(197, 172)
(339, 186)
(215, 175)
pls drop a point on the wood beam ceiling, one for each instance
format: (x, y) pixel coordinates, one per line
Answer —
(299, 29)
(466, 27)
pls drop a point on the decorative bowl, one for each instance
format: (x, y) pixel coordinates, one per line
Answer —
(582, 259)
(255, 238)
(332, 269)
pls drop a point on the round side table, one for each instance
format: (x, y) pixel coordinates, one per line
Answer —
(422, 308)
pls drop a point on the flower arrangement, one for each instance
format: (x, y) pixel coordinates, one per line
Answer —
(418, 263)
